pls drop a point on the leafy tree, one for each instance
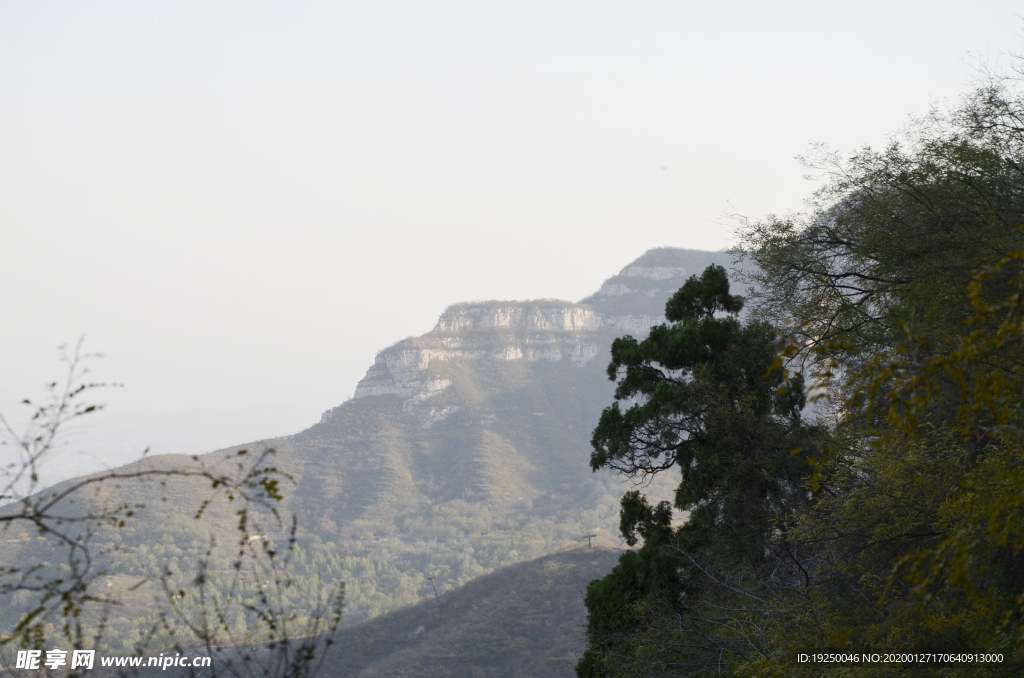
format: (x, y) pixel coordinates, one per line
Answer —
(902, 287)
(898, 295)
(699, 398)
(64, 602)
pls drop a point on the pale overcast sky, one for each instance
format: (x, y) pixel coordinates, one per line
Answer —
(240, 203)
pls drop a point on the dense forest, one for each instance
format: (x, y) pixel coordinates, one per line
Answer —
(851, 445)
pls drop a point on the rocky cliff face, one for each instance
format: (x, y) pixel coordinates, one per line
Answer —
(548, 316)
(546, 330)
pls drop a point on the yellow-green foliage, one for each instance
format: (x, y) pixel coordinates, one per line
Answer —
(900, 293)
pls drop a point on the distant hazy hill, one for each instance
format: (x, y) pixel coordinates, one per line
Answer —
(462, 450)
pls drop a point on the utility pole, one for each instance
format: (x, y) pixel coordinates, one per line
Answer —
(589, 537)
(434, 585)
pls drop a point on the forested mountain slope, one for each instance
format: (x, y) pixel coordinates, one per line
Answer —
(462, 450)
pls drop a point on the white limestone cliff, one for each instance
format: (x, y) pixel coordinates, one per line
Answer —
(547, 330)
(518, 316)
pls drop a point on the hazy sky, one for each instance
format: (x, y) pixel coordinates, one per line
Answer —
(240, 203)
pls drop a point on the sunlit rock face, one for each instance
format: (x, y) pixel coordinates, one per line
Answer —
(579, 334)
(544, 315)
(533, 331)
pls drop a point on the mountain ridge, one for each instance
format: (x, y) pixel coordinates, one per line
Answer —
(543, 329)
(463, 450)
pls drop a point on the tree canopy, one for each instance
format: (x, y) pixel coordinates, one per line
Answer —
(699, 398)
(889, 523)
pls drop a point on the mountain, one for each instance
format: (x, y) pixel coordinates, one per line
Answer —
(463, 450)
(476, 434)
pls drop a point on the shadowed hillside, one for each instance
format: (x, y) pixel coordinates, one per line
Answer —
(521, 621)
(524, 620)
